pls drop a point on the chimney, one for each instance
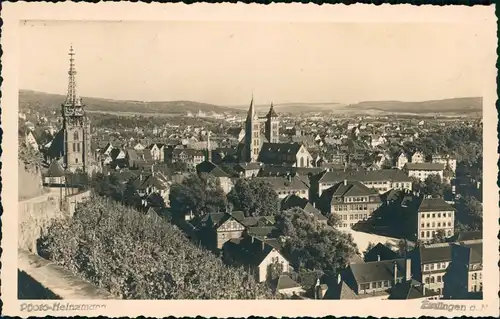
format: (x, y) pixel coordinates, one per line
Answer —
(408, 269)
(339, 279)
(140, 177)
(395, 272)
(345, 182)
(378, 257)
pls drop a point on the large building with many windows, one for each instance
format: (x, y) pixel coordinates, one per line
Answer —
(351, 201)
(432, 262)
(433, 215)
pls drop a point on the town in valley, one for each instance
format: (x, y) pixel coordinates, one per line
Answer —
(261, 201)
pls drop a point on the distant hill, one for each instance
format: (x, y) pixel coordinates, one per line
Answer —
(46, 101)
(294, 107)
(456, 105)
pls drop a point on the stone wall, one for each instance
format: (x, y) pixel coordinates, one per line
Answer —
(39, 278)
(34, 217)
(29, 183)
(52, 281)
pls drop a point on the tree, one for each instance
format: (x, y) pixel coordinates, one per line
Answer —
(199, 194)
(254, 197)
(334, 220)
(439, 237)
(313, 245)
(275, 270)
(130, 195)
(469, 213)
(416, 184)
(135, 257)
(433, 186)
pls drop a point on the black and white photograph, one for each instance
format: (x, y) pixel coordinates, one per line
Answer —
(252, 160)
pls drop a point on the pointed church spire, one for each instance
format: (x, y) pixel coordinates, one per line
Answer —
(272, 112)
(72, 98)
(251, 111)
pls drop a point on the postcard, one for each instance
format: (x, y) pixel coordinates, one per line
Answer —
(231, 160)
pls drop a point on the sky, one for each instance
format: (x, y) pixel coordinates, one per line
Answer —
(225, 63)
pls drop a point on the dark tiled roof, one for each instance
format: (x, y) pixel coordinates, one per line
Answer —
(55, 169)
(425, 166)
(410, 289)
(272, 112)
(277, 153)
(434, 205)
(295, 201)
(210, 168)
(381, 250)
(351, 188)
(442, 252)
(394, 175)
(56, 149)
(377, 270)
(285, 282)
(282, 183)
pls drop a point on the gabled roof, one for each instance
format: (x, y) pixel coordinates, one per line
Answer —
(293, 200)
(283, 183)
(410, 289)
(285, 282)
(434, 205)
(442, 252)
(55, 169)
(394, 175)
(348, 188)
(210, 168)
(377, 270)
(56, 148)
(382, 251)
(425, 166)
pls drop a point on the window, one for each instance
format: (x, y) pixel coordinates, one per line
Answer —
(431, 266)
(427, 281)
(379, 284)
(428, 215)
(76, 160)
(75, 136)
(438, 266)
(433, 215)
(449, 232)
(439, 215)
(78, 147)
(449, 224)
(74, 147)
(433, 225)
(386, 283)
(449, 214)
(474, 276)
(374, 285)
(439, 224)
(428, 234)
(438, 278)
(422, 234)
(432, 279)
(422, 225)
(428, 225)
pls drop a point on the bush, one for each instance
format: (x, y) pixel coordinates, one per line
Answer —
(138, 257)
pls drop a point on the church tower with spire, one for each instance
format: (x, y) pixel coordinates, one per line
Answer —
(252, 135)
(76, 126)
(272, 126)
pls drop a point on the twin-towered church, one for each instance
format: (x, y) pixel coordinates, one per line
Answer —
(267, 148)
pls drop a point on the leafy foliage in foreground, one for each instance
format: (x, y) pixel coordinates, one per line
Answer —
(139, 257)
